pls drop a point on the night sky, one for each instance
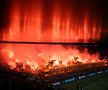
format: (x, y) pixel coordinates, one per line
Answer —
(97, 9)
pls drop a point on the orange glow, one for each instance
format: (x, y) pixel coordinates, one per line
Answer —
(34, 23)
(40, 55)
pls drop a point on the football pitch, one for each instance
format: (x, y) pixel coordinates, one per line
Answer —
(99, 82)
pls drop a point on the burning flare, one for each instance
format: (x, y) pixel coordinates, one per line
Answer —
(43, 55)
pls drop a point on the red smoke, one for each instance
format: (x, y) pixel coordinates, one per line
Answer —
(34, 23)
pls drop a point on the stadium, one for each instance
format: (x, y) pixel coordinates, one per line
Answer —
(53, 45)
